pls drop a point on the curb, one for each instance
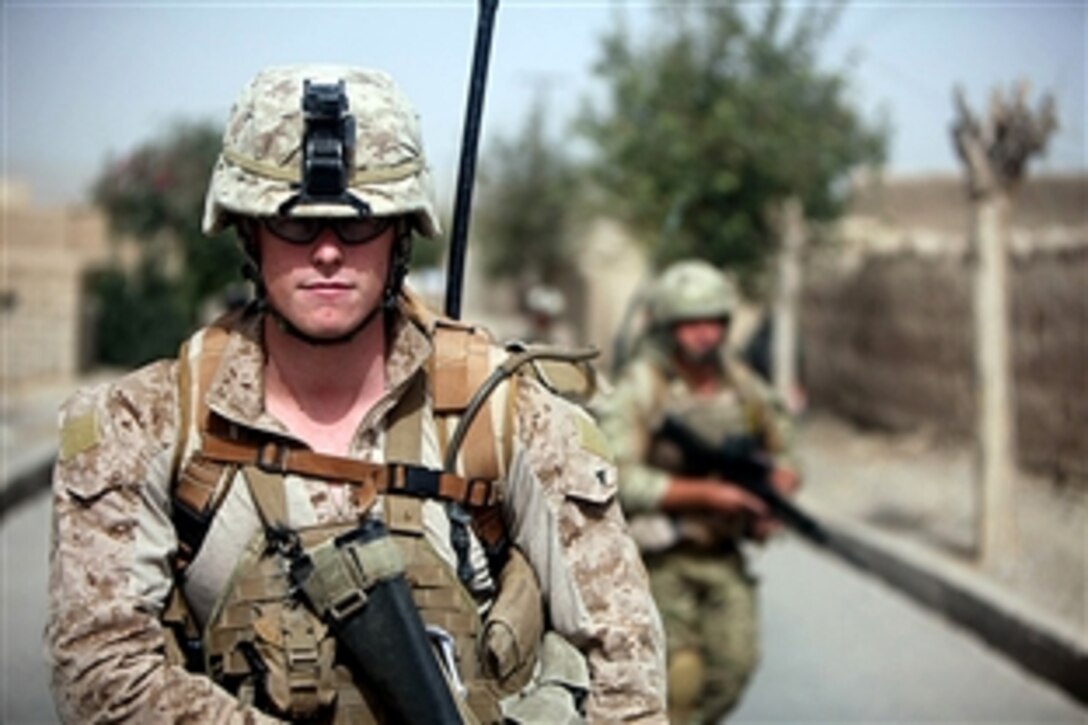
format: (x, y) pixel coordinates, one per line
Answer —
(1047, 648)
(31, 479)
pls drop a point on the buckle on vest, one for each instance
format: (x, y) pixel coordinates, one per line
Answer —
(485, 495)
(272, 458)
(420, 481)
(343, 608)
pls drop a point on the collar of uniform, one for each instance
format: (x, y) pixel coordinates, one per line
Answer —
(237, 389)
(410, 342)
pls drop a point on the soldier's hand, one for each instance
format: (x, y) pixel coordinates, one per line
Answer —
(785, 481)
(762, 528)
(710, 495)
(726, 498)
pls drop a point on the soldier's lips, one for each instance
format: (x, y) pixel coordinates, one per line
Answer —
(327, 289)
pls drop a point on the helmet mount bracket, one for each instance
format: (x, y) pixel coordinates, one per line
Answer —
(328, 149)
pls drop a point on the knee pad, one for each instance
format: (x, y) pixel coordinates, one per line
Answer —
(686, 676)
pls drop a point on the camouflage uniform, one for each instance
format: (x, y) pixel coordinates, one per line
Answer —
(697, 570)
(113, 538)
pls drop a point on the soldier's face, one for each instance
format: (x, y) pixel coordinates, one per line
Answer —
(325, 288)
(698, 341)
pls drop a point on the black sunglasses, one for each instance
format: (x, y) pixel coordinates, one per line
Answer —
(349, 230)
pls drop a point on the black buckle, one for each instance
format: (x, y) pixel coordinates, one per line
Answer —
(423, 482)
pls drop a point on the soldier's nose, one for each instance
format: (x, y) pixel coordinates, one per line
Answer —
(326, 249)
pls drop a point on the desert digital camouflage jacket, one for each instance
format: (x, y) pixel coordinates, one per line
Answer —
(113, 540)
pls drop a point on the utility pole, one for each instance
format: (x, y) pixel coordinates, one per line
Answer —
(790, 221)
(995, 152)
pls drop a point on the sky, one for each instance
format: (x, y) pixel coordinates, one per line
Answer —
(85, 82)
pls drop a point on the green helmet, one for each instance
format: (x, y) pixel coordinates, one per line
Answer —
(692, 290)
(260, 166)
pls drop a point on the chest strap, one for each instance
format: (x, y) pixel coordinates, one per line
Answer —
(370, 478)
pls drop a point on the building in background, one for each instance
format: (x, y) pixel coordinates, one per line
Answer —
(45, 310)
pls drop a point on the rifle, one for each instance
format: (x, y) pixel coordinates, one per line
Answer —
(738, 460)
(470, 141)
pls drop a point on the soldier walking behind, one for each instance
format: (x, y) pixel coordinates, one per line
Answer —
(690, 522)
(311, 514)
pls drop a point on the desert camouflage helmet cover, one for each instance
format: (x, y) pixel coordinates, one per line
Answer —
(261, 158)
(692, 290)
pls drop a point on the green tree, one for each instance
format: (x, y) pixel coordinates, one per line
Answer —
(155, 195)
(718, 116)
(139, 315)
(528, 189)
(429, 252)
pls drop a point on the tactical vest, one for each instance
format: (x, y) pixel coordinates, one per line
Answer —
(732, 411)
(261, 642)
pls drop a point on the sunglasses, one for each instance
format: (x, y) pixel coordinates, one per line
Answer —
(350, 231)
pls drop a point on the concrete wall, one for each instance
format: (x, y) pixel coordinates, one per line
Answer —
(888, 344)
(887, 328)
(1050, 320)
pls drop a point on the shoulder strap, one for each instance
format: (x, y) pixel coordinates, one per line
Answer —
(461, 365)
(755, 396)
(405, 427)
(269, 496)
(567, 373)
(198, 362)
(198, 484)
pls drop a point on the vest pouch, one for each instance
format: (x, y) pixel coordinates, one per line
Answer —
(298, 656)
(561, 687)
(264, 645)
(514, 627)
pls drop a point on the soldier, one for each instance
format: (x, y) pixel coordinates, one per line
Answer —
(690, 525)
(544, 306)
(230, 528)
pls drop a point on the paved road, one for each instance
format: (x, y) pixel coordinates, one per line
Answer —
(840, 647)
(24, 556)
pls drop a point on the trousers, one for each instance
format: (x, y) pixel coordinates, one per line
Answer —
(707, 602)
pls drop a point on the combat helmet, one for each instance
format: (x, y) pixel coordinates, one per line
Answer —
(691, 290)
(260, 169)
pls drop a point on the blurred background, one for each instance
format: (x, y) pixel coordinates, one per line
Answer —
(901, 189)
